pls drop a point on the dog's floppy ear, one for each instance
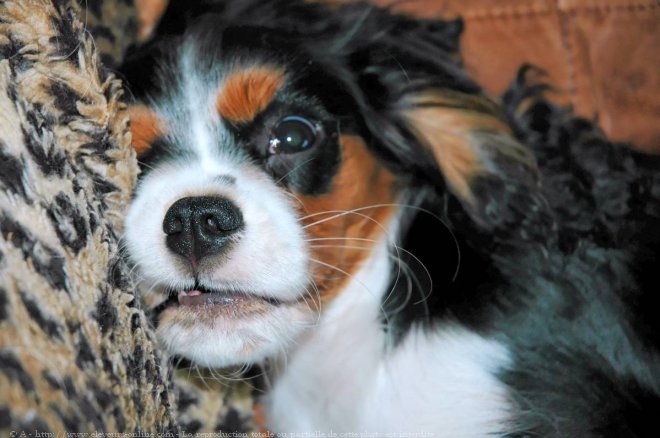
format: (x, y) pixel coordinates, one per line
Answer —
(469, 142)
(434, 124)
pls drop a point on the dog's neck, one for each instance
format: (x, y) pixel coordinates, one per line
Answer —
(325, 378)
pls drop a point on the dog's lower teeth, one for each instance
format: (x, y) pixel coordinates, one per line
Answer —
(198, 298)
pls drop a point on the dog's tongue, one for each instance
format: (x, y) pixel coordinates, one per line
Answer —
(198, 298)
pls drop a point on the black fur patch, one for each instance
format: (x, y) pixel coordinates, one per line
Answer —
(107, 60)
(91, 413)
(67, 39)
(184, 400)
(150, 372)
(101, 185)
(66, 98)
(52, 381)
(135, 363)
(4, 314)
(71, 421)
(11, 172)
(436, 277)
(102, 397)
(50, 159)
(72, 326)
(48, 263)
(35, 423)
(137, 401)
(17, 56)
(69, 223)
(108, 366)
(95, 7)
(627, 414)
(191, 427)
(99, 147)
(120, 420)
(50, 327)
(64, 384)
(117, 274)
(84, 353)
(135, 322)
(160, 152)
(5, 417)
(232, 422)
(12, 368)
(103, 32)
(106, 314)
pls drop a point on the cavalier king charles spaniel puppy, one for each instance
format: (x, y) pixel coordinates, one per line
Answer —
(326, 191)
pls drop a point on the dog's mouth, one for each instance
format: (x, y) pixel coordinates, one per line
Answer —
(206, 297)
(233, 303)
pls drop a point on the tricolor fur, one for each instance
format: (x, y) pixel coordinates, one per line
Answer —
(324, 188)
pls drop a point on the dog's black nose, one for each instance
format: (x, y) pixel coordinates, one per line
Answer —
(201, 226)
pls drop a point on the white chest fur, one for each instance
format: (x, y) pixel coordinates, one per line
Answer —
(341, 377)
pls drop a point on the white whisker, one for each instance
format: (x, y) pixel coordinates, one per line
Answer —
(340, 213)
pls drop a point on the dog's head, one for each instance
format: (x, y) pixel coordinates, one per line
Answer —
(277, 142)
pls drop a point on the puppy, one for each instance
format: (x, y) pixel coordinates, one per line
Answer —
(324, 188)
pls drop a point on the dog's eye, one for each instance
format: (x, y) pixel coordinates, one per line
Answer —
(292, 134)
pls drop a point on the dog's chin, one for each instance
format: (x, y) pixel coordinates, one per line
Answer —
(221, 328)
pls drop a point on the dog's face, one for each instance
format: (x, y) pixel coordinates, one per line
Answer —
(272, 166)
(256, 202)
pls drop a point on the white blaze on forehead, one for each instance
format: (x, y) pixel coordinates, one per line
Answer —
(201, 102)
(196, 128)
(199, 110)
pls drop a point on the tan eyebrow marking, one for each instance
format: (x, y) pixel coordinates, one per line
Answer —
(146, 127)
(247, 92)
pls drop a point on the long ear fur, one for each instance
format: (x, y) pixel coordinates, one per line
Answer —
(436, 125)
(493, 175)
